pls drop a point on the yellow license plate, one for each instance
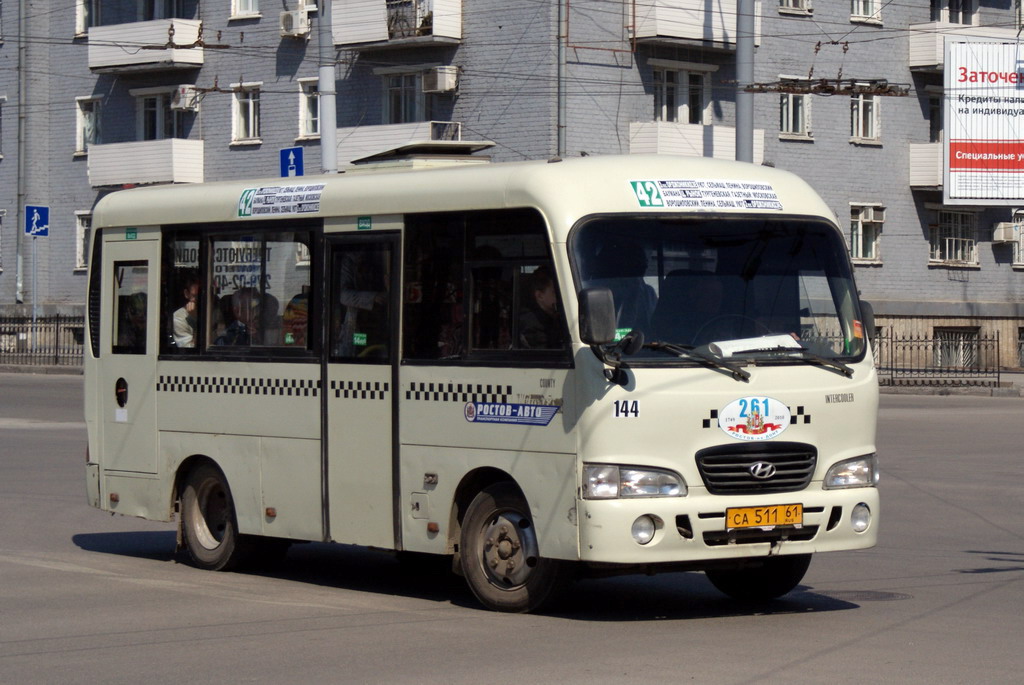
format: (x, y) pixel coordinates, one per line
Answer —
(764, 517)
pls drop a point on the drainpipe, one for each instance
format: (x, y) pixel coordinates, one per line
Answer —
(560, 57)
(19, 277)
(326, 89)
(744, 78)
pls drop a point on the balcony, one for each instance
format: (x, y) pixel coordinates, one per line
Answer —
(158, 45)
(383, 24)
(925, 165)
(171, 160)
(690, 22)
(926, 41)
(357, 142)
(690, 140)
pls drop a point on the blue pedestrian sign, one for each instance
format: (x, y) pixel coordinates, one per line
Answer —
(37, 221)
(291, 162)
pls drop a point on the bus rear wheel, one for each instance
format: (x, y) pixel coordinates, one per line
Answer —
(500, 555)
(772, 579)
(208, 519)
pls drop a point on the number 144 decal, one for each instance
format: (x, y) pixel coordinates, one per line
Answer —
(627, 408)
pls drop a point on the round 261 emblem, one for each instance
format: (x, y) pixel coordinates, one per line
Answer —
(754, 418)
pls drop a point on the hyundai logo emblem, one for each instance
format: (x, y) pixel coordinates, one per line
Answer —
(762, 470)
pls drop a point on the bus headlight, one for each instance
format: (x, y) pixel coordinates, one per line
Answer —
(610, 481)
(859, 472)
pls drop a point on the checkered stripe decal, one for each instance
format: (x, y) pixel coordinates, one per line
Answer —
(458, 392)
(360, 390)
(275, 387)
(795, 417)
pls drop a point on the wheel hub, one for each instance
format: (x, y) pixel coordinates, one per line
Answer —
(510, 549)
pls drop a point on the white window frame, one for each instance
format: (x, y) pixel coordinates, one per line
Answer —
(245, 113)
(954, 238)
(246, 9)
(3, 101)
(866, 223)
(165, 120)
(865, 118)
(87, 14)
(680, 111)
(309, 108)
(83, 141)
(803, 7)
(1018, 241)
(83, 228)
(866, 11)
(794, 114)
(968, 9)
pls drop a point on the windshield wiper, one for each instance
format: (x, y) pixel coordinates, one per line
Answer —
(690, 352)
(804, 355)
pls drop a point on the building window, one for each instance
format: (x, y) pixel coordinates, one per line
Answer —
(309, 108)
(794, 115)
(866, 10)
(246, 113)
(954, 11)
(795, 6)
(680, 96)
(87, 14)
(1018, 241)
(83, 228)
(1020, 347)
(864, 118)
(404, 100)
(155, 120)
(245, 8)
(956, 348)
(935, 117)
(3, 99)
(866, 232)
(87, 129)
(954, 240)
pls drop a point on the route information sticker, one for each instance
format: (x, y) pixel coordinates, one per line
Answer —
(278, 200)
(706, 195)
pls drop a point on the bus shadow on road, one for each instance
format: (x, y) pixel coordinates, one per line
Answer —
(669, 596)
(157, 545)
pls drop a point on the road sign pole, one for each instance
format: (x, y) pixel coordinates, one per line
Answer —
(35, 296)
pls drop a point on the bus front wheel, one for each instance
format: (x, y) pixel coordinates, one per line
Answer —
(774, 578)
(208, 519)
(500, 555)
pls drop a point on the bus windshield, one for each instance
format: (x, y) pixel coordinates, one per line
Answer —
(755, 288)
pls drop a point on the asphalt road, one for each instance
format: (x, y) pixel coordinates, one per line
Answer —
(90, 598)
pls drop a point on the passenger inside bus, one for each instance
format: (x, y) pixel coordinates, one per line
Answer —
(539, 327)
(244, 313)
(620, 267)
(183, 325)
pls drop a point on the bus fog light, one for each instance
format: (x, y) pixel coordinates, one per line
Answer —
(861, 518)
(643, 529)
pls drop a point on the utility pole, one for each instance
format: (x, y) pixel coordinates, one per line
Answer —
(744, 78)
(326, 90)
(560, 117)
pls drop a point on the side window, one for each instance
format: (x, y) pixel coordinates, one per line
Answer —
(131, 295)
(230, 292)
(480, 286)
(361, 303)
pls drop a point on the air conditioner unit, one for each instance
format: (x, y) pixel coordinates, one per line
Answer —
(440, 79)
(295, 24)
(1005, 232)
(872, 214)
(185, 98)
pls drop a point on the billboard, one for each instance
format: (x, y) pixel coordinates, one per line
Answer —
(983, 154)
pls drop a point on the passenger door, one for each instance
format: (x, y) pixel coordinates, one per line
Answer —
(359, 393)
(129, 345)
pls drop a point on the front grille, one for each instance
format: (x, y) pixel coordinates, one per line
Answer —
(726, 470)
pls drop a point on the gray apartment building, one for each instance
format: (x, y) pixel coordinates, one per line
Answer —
(99, 95)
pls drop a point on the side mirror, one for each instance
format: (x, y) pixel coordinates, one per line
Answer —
(597, 316)
(868, 312)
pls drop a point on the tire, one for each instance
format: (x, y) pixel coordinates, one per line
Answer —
(208, 519)
(772, 579)
(500, 556)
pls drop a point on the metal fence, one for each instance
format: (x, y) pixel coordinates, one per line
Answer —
(951, 358)
(50, 341)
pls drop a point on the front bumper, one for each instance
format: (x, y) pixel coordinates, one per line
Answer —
(692, 528)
